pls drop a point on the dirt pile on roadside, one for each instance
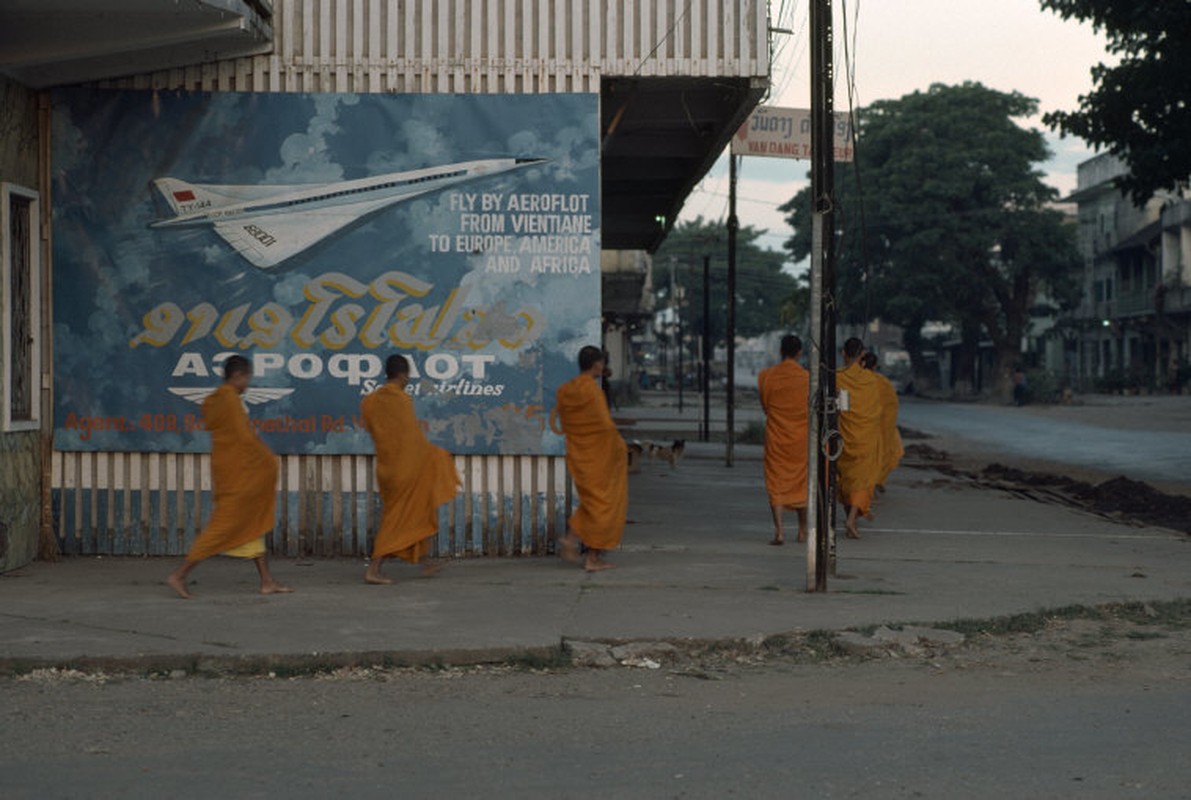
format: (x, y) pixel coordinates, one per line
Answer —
(1119, 497)
(1142, 502)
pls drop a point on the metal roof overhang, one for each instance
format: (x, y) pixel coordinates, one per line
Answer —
(660, 134)
(1140, 240)
(47, 43)
(660, 137)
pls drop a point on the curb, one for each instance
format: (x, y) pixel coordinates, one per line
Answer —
(290, 664)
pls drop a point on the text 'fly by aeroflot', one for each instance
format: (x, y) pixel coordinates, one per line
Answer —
(269, 224)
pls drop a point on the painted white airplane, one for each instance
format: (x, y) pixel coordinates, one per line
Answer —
(269, 224)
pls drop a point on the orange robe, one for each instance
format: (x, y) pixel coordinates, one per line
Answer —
(244, 480)
(859, 464)
(784, 390)
(597, 459)
(415, 477)
(891, 441)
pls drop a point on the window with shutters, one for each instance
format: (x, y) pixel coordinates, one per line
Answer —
(20, 288)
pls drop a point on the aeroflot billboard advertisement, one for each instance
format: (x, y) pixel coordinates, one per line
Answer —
(317, 234)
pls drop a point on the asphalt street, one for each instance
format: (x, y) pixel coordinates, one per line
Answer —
(1030, 721)
(874, 730)
(1150, 455)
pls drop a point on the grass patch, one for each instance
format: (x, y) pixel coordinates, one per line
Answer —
(816, 645)
(1029, 622)
(1174, 614)
(1170, 613)
(555, 658)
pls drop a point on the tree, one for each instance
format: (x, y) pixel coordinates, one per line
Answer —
(955, 224)
(1140, 110)
(767, 297)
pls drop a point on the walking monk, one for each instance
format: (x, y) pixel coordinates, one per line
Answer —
(244, 479)
(415, 477)
(597, 459)
(784, 391)
(891, 450)
(859, 464)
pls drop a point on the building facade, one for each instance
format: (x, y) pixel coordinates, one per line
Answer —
(1132, 329)
(675, 80)
(22, 282)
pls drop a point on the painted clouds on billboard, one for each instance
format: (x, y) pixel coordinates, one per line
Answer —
(317, 234)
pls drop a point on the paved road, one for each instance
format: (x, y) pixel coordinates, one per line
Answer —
(1152, 455)
(881, 729)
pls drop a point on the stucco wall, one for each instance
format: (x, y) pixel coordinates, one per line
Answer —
(20, 460)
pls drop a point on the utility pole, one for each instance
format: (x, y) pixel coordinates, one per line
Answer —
(706, 376)
(820, 486)
(731, 326)
(676, 307)
(681, 347)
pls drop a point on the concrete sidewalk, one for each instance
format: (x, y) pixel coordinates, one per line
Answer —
(695, 564)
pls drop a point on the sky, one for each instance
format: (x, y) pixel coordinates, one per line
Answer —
(902, 46)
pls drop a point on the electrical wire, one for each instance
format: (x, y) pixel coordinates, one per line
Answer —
(853, 117)
(670, 32)
(786, 22)
(799, 50)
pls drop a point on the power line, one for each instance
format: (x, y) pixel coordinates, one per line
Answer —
(774, 203)
(665, 36)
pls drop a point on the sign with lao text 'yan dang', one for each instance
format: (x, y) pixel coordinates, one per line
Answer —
(786, 133)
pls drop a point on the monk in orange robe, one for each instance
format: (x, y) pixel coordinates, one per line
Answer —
(785, 390)
(891, 450)
(859, 464)
(244, 478)
(415, 477)
(597, 459)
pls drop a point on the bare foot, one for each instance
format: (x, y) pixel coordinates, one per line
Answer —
(273, 587)
(777, 541)
(801, 537)
(568, 548)
(178, 586)
(596, 565)
(432, 568)
(376, 578)
(851, 531)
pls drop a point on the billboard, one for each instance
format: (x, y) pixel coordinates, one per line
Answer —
(786, 133)
(316, 234)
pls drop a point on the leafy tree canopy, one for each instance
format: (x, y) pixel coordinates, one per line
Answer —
(766, 296)
(955, 220)
(1139, 110)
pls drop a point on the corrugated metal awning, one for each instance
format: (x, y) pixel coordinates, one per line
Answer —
(46, 43)
(661, 136)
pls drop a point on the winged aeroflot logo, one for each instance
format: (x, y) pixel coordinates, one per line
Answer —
(256, 395)
(270, 224)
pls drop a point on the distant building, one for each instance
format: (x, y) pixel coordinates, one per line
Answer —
(1132, 328)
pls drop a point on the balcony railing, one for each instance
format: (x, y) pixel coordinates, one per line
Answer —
(1133, 303)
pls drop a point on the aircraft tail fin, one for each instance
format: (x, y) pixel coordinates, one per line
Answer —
(180, 197)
